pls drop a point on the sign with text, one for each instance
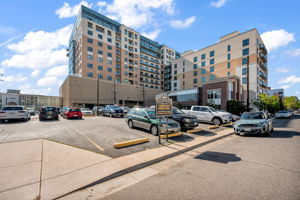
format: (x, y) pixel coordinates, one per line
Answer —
(163, 106)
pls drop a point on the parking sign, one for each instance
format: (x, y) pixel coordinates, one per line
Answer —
(163, 106)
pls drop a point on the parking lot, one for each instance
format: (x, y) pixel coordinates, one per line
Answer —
(97, 133)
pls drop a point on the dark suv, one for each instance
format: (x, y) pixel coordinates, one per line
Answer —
(48, 113)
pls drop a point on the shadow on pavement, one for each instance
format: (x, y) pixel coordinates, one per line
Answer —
(218, 157)
(284, 134)
(13, 121)
(182, 138)
(204, 133)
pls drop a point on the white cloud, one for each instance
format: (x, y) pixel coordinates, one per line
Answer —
(282, 69)
(285, 86)
(35, 73)
(136, 13)
(294, 52)
(152, 35)
(182, 23)
(290, 80)
(61, 70)
(101, 5)
(47, 81)
(7, 30)
(40, 49)
(218, 3)
(67, 11)
(277, 38)
(6, 42)
(14, 79)
(28, 89)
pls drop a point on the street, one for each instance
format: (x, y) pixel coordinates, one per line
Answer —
(248, 167)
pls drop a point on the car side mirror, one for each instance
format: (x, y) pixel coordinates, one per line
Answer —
(146, 117)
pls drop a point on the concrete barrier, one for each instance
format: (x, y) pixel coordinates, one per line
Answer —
(195, 130)
(130, 143)
(171, 135)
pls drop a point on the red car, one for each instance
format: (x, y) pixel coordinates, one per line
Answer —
(73, 113)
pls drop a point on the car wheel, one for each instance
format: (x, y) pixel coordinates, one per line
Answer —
(217, 121)
(130, 123)
(268, 133)
(154, 130)
(2, 120)
(236, 133)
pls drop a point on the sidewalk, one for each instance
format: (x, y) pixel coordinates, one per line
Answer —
(45, 169)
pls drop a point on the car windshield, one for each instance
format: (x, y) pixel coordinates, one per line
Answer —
(85, 109)
(12, 108)
(151, 114)
(49, 109)
(282, 111)
(212, 109)
(113, 107)
(74, 110)
(256, 115)
(177, 111)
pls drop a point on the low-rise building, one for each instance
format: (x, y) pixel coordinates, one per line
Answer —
(276, 92)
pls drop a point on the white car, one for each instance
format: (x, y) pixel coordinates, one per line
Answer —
(14, 112)
(282, 114)
(86, 111)
(209, 114)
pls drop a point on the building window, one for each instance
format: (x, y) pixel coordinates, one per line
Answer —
(100, 52)
(90, 40)
(195, 73)
(244, 80)
(100, 36)
(195, 59)
(109, 55)
(244, 61)
(90, 49)
(228, 56)
(100, 29)
(228, 47)
(245, 42)
(100, 44)
(100, 76)
(175, 71)
(195, 66)
(212, 53)
(195, 80)
(203, 71)
(175, 84)
(109, 78)
(228, 73)
(203, 64)
(90, 57)
(109, 47)
(245, 51)
(109, 62)
(244, 71)
(183, 63)
(100, 67)
(203, 79)
(175, 66)
(100, 59)
(90, 74)
(212, 77)
(90, 32)
(183, 69)
(90, 65)
(109, 40)
(228, 65)
(109, 69)
(202, 56)
(212, 69)
(108, 32)
(90, 25)
(212, 61)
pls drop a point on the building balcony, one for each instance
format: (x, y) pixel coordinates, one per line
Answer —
(263, 75)
(264, 66)
(263, 57)
(263, 49)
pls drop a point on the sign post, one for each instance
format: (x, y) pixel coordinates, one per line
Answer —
(163, 108)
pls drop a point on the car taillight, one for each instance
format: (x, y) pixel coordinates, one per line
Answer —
(2, 112)
(21, 111)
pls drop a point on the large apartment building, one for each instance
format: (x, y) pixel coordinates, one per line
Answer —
(226, 58)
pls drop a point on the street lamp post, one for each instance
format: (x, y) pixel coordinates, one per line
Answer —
(248, 103)
(97, 106)
(144, 93)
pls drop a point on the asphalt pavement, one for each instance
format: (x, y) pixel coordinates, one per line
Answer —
(240, 167)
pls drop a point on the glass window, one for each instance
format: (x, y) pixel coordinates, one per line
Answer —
(90, 32)
(203, 64)
(175, 66)
(212, 53)
(228, 65)
(246, 42)
(100, 59)
(195, 66)
(109, 78)
(195, 73)
(244, 61)
(212, 69)
(196, 108)
(228, 73)
(100, 44)
(100, 67)
(100, 36)
(212, 61)
(212, 77)
(100, 52)
(244, 71)
(108, 32)
(90, 48)
(100, 76)
(90, 74)
(175, 84)
(228, 47)
(195, 80)
(244, 80)
(109, 47)
(202, 56)
(203, 79)
(109, 55)
(245, 51)
(109, 40)
(90, 57)
(203, 71)
(90, 40)
(195, 59)
(228, 56)
(90, 25)
(109, 69)
(183, 63)
(175, 71)
(90, 65)
(109, 62)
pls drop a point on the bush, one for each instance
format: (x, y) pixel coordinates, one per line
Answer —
(236, 107)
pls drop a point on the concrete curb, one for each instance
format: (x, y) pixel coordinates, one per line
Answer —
(146, 164)
(195, 130)
(130, 143)
(171, 135)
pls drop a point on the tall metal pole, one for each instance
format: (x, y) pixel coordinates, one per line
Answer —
(97, 110)
(248, 103)
(144, 100)
(115, 99)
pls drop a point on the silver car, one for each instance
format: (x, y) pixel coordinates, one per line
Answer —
(14, 112)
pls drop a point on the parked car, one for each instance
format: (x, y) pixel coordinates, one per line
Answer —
(31, 111)
(145, 118)
(86, 111)
(254, 123)
(14, 112)
(72, 113)
(186, 121)
(100, 108)
(282, 114)
(233, 117)
(48, 113)
(209, 114)
(62, 110)
(125, 109)
(291, 113)
(113, 111)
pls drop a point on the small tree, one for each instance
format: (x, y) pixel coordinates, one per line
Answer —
(291, 103)
(236, 107)
(268, 103)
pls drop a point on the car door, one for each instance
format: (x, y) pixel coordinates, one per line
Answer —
(196, 111)
(137, 119)
(206, 115)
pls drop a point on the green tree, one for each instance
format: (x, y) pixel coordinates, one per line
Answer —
(268, 103)
(291, 103)
(236, 107)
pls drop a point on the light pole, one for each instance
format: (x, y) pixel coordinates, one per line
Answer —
(97, 106)
(248, 103)
(115, 92)
(144, 93)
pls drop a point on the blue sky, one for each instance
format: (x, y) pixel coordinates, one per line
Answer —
(34, 34)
